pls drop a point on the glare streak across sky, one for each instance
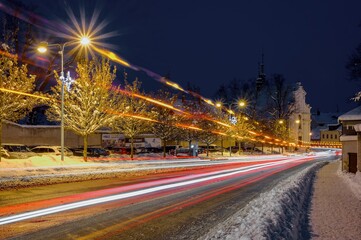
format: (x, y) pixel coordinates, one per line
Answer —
(196, 179)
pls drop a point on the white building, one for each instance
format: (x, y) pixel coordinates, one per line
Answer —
(300, 120)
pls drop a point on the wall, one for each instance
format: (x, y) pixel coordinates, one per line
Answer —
(32, 135)
(347, 147)
(333, 136)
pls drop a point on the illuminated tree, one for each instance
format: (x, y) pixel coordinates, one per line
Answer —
(135, 114)
(280, 129)
(206, 117)
(241, 129)
(88, 101)
(13, 77)
(165, 127)
(188, 129)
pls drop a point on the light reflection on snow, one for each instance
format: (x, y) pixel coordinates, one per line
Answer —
(166, 184)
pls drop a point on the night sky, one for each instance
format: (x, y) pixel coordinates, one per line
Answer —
(211, 42)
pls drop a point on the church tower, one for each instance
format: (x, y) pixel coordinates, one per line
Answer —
(261, 79)
(300, 119)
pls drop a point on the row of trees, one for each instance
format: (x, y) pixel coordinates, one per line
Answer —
(93, 102)
(268, 104)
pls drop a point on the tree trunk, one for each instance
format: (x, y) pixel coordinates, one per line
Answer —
(164, 146)
(222, 145)
(239, 147)
(1, 135)
(189, 147)
(85, 151)
(207, 149)
(131, 147)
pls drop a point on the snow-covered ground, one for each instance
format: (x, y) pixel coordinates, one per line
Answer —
(277, 214)
(292, 211)
(282, 213)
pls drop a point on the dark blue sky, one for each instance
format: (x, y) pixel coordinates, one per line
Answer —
(211, 42)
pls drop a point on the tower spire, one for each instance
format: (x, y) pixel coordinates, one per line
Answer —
(261, 75)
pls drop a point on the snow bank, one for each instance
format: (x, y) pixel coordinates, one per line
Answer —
(281, 213)
(352, 180)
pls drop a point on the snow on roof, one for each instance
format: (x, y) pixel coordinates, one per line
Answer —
(354, 114)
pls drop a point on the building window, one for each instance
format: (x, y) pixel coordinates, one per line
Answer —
(331, 136)
(327, 136)
(349, 127)
(335, 136)
(323, 135)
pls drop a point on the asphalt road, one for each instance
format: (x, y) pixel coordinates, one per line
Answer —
(177, 205)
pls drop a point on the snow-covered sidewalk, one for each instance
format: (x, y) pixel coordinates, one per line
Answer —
(336, 205)
(290, 211)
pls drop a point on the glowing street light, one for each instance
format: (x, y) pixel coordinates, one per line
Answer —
(242, 104)
(85, 41)
(297, 121)
(280, 121)
(42, 48)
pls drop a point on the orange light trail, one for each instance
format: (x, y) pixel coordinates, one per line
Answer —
(221, 123)
(152, 100)
(7, 54)
(112, 56)
(188, 126)
(22, 93)
(219, 133)
(174, 85)
(131, 115)
(140, 117)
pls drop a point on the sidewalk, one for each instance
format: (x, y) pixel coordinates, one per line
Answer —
(336, 211)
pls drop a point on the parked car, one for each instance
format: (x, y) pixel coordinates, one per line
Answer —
(171, 149)
(17, 151)
(150, 150)
(91, 152)
(98, 151)
(51, 150)
(120, 150)
(183, 152)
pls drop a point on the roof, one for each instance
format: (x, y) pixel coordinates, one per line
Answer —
(354, 114)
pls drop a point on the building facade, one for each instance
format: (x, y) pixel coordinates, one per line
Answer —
(300, 120)
(351, 140)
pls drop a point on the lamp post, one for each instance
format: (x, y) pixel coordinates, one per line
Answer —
(241, 104)
(42, 48)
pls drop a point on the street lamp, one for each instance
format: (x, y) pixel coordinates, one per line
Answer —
(42, 48)
(242, 103)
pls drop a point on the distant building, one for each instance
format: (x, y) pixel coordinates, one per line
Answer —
(351, 140)
(300, 120)
(323, 122)
(331, 134)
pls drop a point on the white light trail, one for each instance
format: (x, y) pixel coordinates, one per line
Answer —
(70, 206)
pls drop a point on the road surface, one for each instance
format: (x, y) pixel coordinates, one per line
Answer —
(174, 205)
